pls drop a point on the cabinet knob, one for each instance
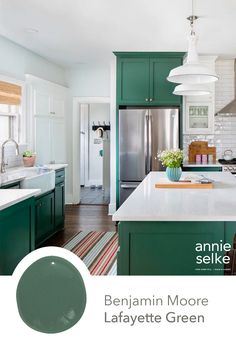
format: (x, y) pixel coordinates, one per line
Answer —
(146, 99)
(150, 99)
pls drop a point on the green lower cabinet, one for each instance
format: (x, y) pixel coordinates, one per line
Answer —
(44, 217)
(169, 248)
(59, 205)
(27, 224)
(17, 234)
(203, 169)
(50, 210)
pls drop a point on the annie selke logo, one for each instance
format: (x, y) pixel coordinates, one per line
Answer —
(212, 253)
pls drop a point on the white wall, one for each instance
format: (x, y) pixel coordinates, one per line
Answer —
(89, 80)
(17, 61)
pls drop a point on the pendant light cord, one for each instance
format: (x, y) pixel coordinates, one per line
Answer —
(192, 19)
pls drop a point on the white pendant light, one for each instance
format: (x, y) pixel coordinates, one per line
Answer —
(192, 72)
(191, 90)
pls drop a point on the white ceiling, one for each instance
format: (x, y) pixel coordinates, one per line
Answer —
(79, 31)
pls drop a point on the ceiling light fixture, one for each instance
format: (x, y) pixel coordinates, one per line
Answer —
(191, 90)
(192, 72)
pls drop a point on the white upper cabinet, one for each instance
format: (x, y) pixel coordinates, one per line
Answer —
(199, 111)
(58, 146)
(48, 104)
(46, 120)
(43, 141)
(57, 107)
(41, 103)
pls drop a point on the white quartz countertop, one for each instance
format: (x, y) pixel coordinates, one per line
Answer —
(148, 203)
(9, 197)
(193, 164)
(56, 166)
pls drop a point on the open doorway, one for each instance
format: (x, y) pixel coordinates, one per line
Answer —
(94, 153)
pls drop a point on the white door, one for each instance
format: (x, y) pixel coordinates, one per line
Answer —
(82, 156)
(84, 144)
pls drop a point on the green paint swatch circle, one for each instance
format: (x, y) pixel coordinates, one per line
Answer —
(51, 295)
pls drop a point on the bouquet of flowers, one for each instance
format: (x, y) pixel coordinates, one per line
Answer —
(171, 158)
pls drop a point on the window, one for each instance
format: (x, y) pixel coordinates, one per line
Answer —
(10, 111)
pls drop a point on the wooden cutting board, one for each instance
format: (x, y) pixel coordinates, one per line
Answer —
(183, 185)
(200, 148)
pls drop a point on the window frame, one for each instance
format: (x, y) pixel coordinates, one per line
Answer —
(22, 115)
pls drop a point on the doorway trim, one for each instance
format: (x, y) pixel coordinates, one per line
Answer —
(76, 140)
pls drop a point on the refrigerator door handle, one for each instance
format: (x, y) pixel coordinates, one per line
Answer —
(146, 144)
(128, 186)
(150, 143)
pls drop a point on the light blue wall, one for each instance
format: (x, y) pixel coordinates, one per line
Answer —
(89, 80)
(16, 61)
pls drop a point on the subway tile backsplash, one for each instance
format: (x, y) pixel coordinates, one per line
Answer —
(11, 158)
(224, 136)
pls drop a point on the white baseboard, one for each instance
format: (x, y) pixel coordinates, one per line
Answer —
(111, 208)
(69, 199)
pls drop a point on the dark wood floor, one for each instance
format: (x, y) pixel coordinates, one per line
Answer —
(82, 218)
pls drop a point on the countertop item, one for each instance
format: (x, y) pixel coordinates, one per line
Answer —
(9, 197)
(198, 158)
(200, 148)
(148, 203)
(228, 155)
(227, 162)
(51, 295)
(164, 183)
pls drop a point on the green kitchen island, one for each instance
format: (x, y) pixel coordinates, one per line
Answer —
(177, 231)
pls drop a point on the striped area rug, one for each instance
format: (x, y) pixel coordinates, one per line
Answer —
(98, 250)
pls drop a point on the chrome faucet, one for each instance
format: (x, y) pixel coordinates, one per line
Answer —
(3, 164)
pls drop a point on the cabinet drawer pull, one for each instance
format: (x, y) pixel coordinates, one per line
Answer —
(146, 99)
(150, 99)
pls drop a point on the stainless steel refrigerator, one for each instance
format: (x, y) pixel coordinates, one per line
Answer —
(143, 133)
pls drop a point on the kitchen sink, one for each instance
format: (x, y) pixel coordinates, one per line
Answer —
(36, 178)
(30, 178)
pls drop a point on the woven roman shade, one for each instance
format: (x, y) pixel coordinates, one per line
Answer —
(10, 93)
